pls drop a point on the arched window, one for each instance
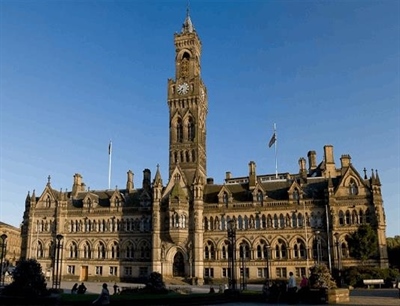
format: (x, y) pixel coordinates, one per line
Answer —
(341, 217)
(144, 250)
(353, 189)
(40, 251)
(276, 223)
(280, 249)
(225, 198)
(73, 250)
(260, 196)
(294, 219)
(347, 217)
(191, 131)
(281, 221)
(296, 195)
(367, 216)
(115, 250)
(87, 254)
(129, 251)
(179, 130)
(244, 250)
(299, 249)
(209, 251)
(361, 217)
(101, 251)
(224, 250)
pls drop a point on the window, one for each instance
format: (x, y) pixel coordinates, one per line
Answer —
(259, 196)
(113, 271)
(280, 249)
(143, 271)
(225, 272)
(246, 271)
(99, 270)
(115, 250)
(191, 132)
(39, 252)
(71, 270)
(209, 272)
(179, 131)
(101, 251)
(300, 272)
(225, 198)
(261, 272)
(299, 250)
(281, 273)
(73, 250)
(128, 271)
(353, 190)
(224, 252)
(86, 251)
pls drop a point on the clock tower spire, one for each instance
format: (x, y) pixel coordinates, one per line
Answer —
(187, 102)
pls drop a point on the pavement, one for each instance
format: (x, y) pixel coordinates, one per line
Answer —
(364, 297)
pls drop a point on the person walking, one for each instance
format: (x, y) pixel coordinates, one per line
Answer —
(104, 297)
(81, 289)
(74, 288)
(303, 288)
(292, 289)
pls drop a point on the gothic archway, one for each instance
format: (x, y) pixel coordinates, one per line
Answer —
(179, 265)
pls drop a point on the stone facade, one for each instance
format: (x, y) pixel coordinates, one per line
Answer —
(13, 243)
(284, 222)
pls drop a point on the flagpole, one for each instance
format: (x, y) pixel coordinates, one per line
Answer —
(109, 164)
(276, 149)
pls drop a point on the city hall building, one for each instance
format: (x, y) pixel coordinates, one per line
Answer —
(178, 225)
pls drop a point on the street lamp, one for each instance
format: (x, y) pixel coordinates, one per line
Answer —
(318, 247)
(232, 252)
(243, 255)
(58, 269)
(3, 255)
(267, 257)
(337, 235)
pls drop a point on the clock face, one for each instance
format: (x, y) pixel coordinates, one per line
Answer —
(183, 88)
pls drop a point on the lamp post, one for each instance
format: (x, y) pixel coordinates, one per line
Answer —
(232, 252)
(267, 257)
(338, 259)
(58, 270)
(3, 253)
(243, 255)
(317, 234)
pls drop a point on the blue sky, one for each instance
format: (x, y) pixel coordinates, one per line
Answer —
(75, 74)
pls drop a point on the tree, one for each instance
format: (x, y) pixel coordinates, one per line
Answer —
(363, 243)
(28, 280)
(320, 277)
(393, 245)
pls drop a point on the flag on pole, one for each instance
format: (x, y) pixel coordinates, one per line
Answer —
(109, 148)
(272, 140)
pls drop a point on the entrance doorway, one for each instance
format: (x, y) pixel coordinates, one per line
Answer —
(84, 274)
(179, 265)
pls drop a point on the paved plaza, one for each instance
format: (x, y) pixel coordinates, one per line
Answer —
(367, 297)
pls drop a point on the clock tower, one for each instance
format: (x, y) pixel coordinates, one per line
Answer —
(187, 102)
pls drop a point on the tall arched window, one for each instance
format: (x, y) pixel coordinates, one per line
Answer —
(179, 130)
(39, 252)
(73, 250)
(341, 218)
(130, 251)
(101, 251)
(115, 250)
(280, 249)
(191, 132)
(87, 254)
